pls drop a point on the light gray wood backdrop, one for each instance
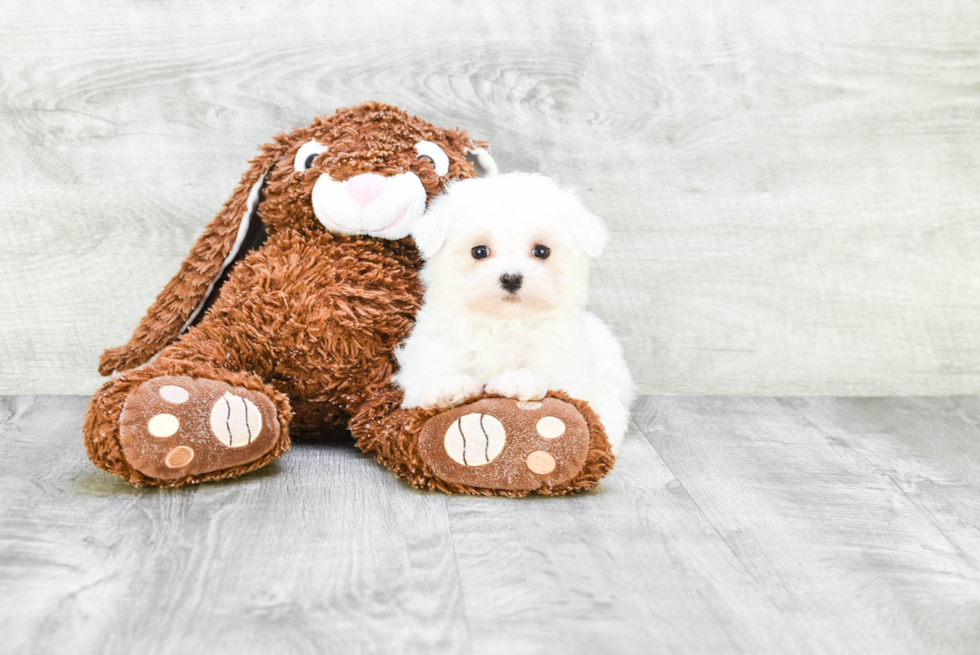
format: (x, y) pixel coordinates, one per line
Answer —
(793, 187)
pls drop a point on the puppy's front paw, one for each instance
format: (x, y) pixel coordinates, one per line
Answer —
(449, 391)
(518, 383)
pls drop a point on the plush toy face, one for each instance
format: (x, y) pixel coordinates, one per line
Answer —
(369, 170)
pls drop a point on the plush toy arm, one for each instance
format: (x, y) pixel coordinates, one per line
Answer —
(178, 300)
(185, 293)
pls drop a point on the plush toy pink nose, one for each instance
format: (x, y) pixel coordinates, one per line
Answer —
(365, 188)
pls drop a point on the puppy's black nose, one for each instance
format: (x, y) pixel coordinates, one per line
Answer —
(511, 281)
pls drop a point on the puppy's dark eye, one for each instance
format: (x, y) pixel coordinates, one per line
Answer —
(428, 159)
(480, 252)
(541, 252)
(309, 161)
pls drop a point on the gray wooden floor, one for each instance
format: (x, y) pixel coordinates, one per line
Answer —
(729, 525)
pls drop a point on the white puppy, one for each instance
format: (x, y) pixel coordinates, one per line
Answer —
(506, 284)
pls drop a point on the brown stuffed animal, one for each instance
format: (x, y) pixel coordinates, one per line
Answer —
(285, 316)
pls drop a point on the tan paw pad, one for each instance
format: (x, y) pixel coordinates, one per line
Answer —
(541, 462)
(179, 457)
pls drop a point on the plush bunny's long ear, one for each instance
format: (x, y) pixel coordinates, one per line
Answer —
(186, 295)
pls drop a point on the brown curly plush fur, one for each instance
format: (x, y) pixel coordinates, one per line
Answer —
(311, 318)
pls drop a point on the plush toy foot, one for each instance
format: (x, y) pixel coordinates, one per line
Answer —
(172, 427)
(492, 446)
(509, 446)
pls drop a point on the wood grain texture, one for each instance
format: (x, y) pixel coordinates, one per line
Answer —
(730, 525)
(322, 553)
(792, 188)
(635, 567)
(820, 501)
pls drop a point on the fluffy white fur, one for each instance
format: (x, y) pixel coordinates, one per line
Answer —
(472, 333)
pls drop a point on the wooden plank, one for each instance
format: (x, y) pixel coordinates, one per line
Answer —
(853, 561)
(324, 552)
(791, 188)
(729, 525)
(928, 447)
(634, 567)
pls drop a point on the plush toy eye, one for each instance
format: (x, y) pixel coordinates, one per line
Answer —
(435, 154)
(480, 252)
(307, 154)
(541, 252)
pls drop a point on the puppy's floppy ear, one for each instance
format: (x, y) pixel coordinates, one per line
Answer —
(589, 229)
(430, 230)
(185, 294)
